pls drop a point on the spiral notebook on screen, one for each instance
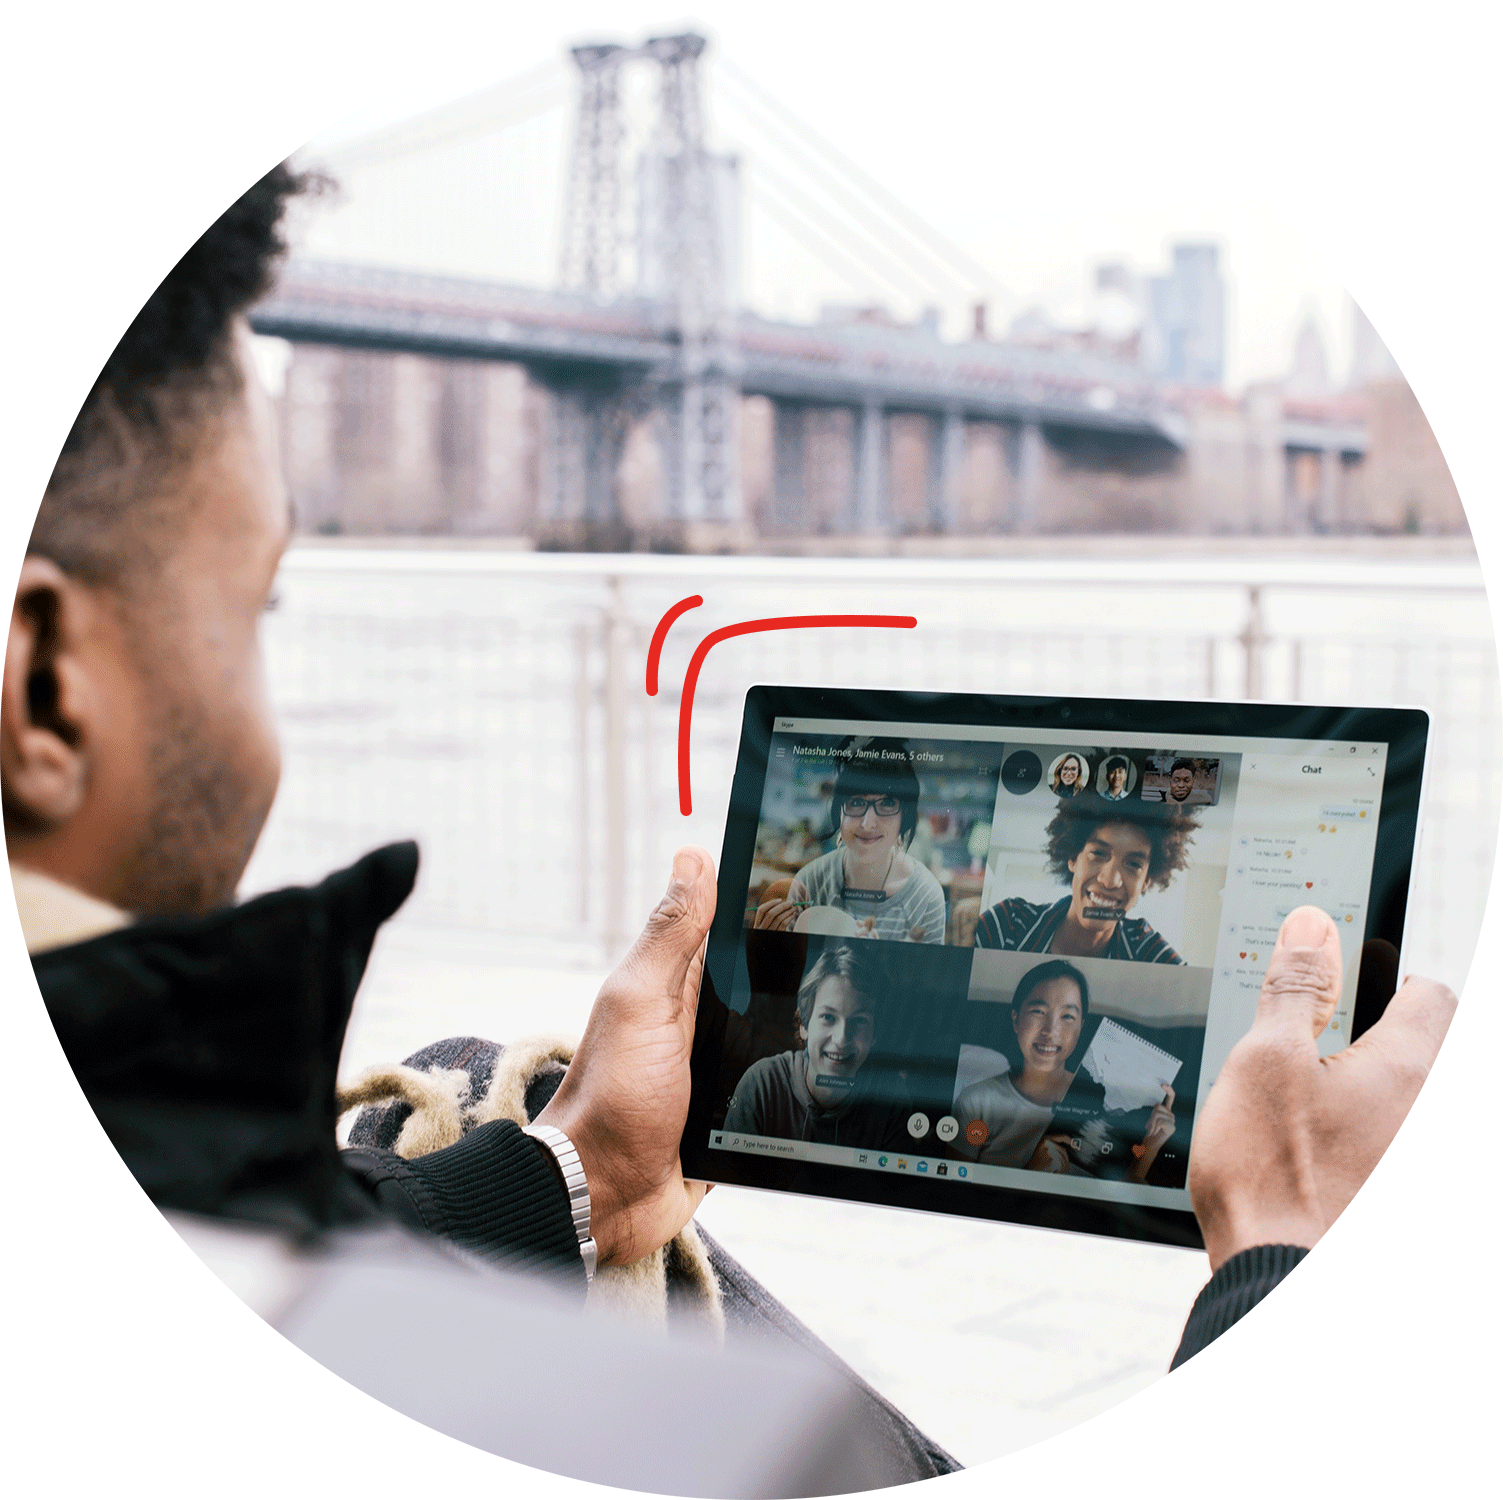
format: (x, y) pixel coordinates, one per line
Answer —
(1132, 1072)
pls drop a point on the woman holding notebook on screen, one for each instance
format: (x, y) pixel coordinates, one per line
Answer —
(1010, 1119)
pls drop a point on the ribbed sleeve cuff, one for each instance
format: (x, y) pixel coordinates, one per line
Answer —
(1237, 1287)
(494, 1193)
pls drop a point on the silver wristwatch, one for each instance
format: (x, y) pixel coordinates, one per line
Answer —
(574, 1184)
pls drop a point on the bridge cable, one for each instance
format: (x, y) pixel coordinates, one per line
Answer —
(859, 277)
(816, 214)
(495, 108)
(869, 225)
(913, 223)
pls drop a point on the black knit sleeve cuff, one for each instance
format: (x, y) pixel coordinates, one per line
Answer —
(494, 1193)
(1237, 1287)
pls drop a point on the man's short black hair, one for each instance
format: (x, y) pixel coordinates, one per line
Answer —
(102, 515)
(1116, 763)
(1183, 765)
(1169, 831)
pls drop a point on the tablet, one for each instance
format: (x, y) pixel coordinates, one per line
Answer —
(985, 955)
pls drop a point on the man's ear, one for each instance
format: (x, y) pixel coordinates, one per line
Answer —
(44, 704)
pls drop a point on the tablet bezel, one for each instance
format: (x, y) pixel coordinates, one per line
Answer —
(1404, 730)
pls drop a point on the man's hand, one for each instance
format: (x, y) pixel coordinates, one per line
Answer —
(1286, 1136)
(625, 1097)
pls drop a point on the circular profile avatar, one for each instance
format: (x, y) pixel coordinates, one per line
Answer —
(1069, 774)
(812, 1092)
(869, 875)
(1116, 778)
(1108, 853)
(1007, 1119)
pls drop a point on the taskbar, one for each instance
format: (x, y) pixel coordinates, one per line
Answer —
(975, 1174)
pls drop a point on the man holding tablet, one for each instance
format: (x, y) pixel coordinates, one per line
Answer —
(138, 762)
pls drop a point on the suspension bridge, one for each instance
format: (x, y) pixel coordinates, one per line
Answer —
(644, 325)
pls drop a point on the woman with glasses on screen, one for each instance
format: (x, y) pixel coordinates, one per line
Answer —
(1069, 776)
(869, 878)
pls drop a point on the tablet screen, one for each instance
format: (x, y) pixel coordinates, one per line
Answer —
(986, 961)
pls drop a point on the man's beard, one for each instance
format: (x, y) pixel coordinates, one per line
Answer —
(202, 823)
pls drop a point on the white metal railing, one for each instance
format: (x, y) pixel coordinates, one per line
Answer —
(492, 703)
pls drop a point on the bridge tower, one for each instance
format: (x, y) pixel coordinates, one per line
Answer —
(683, 267)
(590, 258)
(682, 260)
(590, 410)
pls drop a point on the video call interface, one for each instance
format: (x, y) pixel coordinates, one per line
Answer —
(1011, 958)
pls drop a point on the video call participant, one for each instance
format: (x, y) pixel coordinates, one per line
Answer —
(815, 1092)
(870, 874)
(1116, 779)
(1005, 1120)
(1181, 789)
(1069, 777)
(1110, 853)
(1181, 781)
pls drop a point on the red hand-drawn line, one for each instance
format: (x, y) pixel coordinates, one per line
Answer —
(747, 627)
(655, 650)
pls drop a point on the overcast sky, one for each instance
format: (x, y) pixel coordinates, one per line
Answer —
(1038, 157)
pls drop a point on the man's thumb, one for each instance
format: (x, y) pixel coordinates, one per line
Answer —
(1302, 983)
(679, 921)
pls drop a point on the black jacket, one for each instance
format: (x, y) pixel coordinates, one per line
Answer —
(208, 1047)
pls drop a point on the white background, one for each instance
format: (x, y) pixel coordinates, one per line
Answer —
(1373, 1369)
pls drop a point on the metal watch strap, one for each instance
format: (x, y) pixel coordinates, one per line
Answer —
(575, 1185)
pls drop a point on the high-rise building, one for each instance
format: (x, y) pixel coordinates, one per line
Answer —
(1310, 370)
(1185, 332)
(1371, 359)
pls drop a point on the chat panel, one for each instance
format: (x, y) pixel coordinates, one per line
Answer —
(1306, 836)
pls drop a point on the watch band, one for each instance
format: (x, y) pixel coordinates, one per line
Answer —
(572, 1171)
